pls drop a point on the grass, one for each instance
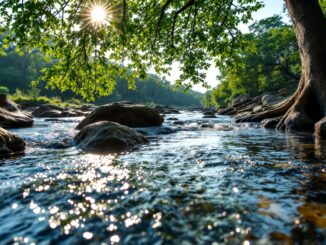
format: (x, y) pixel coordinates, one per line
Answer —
(31, 99)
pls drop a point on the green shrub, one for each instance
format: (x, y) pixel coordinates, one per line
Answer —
(4, 90)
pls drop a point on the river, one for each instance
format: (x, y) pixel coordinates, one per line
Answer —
(209, 181)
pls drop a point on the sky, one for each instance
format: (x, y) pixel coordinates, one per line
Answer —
(271, 7)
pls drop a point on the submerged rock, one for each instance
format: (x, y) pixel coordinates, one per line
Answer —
(108, 137)
(10, 143)
(131, 115)
(11, 116)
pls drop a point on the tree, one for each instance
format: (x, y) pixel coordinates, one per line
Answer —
(156, 33)
(270, 62)
(308, 104)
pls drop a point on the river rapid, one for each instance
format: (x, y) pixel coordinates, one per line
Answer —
(208, 181)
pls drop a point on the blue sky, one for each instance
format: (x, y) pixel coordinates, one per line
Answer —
(271, 7)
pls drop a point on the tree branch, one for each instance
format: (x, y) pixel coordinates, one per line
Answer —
(157, 31)
(179, 11)
(225, 16)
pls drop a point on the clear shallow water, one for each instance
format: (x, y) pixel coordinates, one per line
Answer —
(222, 182)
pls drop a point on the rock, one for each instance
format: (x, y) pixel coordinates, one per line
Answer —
(209, 113)
(54, 111)
(10, 143)
(47, 111)
(270, 122)
(108, 137)
(153, 131)
(270, 99)
(164, 109)
(73, 113)
(86, 108)
(11, 116)
(178, 123)
(206, 125)
(131, 115)
(209, 116)
(172, 119)
(258, 108)
(63, 144)
(320, 128)
(51, 113)
(238, 99)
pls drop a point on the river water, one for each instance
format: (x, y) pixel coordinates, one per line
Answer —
(209, 181)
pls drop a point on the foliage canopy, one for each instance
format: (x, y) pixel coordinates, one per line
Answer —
(142, 35)
(269, 62)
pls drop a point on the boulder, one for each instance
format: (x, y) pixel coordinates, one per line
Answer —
(164, 109)
(48, 110)
(209, 113)
(272, 99)
(131, 115)
(11, 116)
(320, 128)
(108, 137)
(54, 111)
(10, 143)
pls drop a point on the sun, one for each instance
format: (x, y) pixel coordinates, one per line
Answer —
(97, 14)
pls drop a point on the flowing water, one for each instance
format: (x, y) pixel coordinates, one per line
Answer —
(209, 181)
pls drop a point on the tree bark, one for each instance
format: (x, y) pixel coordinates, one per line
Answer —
(308, 104)
(310, 100)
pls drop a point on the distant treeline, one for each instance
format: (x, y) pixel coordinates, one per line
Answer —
(269, 62)
(18, 71)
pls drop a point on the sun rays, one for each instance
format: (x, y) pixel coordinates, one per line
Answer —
(98, 14)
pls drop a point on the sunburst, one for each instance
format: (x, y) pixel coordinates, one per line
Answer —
(97, 14)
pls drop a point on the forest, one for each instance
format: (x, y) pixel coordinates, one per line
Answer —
(269, 62)
(23, 72)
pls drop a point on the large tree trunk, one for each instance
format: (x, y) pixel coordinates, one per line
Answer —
(308, 104)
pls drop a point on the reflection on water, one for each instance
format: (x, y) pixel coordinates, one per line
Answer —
(222, 183)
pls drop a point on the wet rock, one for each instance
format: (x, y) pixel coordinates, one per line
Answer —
(131, 115)
(10, 143)
(163, 109)
(72, 113)
(270, 122)
(11, 116)
(178, 123)
(86, 108)
(172, 119)
(47, 111)
(209, 113)
(320, 128)
(156, 131)
(51, 113)
(64, 144)
(54, 111)
(206, 125)
(108, 137)
(209, 116)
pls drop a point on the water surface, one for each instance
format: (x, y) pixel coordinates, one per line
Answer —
(209, 181)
